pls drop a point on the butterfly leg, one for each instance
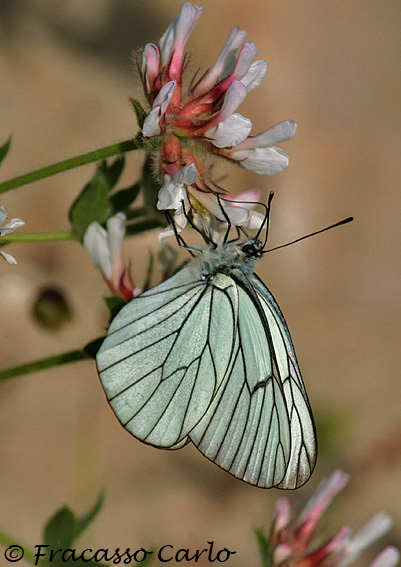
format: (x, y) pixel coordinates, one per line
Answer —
(181, 242)
(205, 237)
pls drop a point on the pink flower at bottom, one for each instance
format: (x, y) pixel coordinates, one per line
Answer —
(291, 540)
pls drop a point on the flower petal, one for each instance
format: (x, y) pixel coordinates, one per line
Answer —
(323, 496)
(3, 215)
(265, 161)
(232, 131)
(237, 215)
(282, 519)
(165, 95)
(95, 241)
(173, 40)
(173, 192)
(255, 75)
(166, 233)
(150, 63)
(375, 529)
(115, 237)
(235, 95)
(116, 232)
(225, 62)
(179, 220)
(8, 258)
(280, 132)
(151, 126)
(190, 174)
(389, 557)
(246, 199)
(255, 220)
(151, 123)
(245, 57)
(187, 20)
(11, 226)
(282, 554)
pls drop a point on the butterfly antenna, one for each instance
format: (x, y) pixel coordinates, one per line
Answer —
(266, 220)
(344, 221)
(240, 228)
(227, 218)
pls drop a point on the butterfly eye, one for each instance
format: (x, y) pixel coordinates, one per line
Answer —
(248, 249)
(251, 249)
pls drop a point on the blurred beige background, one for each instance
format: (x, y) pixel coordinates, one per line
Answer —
(65, 79)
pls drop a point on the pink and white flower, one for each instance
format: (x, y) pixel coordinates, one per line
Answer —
(208, 213)
(291, 541)
(258, 153)
(104, 247)
(7, 229)
(191, 123)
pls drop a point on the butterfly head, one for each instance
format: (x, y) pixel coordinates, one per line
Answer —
(252, 248)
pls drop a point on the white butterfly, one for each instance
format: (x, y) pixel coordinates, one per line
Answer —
(207, 357)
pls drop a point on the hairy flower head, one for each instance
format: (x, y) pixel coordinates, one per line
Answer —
(189, 121)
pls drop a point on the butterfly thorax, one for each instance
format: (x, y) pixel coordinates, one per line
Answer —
(226, 258)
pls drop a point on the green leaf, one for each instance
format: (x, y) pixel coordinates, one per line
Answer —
(92, 347)
(264, 548)
(113, 171)
(92, 204)
(85, 521)
(143, 224)
(139, 112)
(64, 528)
(4, 149)
(60, 530)
(135, 213)
(114, 304)
(121, 200)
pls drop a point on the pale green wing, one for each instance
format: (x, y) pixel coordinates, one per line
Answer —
(164, 356)
(303, 453)
(246, 429)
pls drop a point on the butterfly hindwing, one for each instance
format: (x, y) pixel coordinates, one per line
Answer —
(303, 447)
(246, 429)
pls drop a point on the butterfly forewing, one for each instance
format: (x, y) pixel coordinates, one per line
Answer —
(161, 367)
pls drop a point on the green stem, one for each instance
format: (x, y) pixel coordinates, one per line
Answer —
(40, 236)
(96, 155)
(43, 363)
(9, 541)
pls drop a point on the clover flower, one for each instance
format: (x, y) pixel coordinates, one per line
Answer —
(291, 541)
(210, 214)
(7, 229)
(104, 247)
(189, 122)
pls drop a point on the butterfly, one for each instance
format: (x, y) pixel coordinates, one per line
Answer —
(206, 357)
